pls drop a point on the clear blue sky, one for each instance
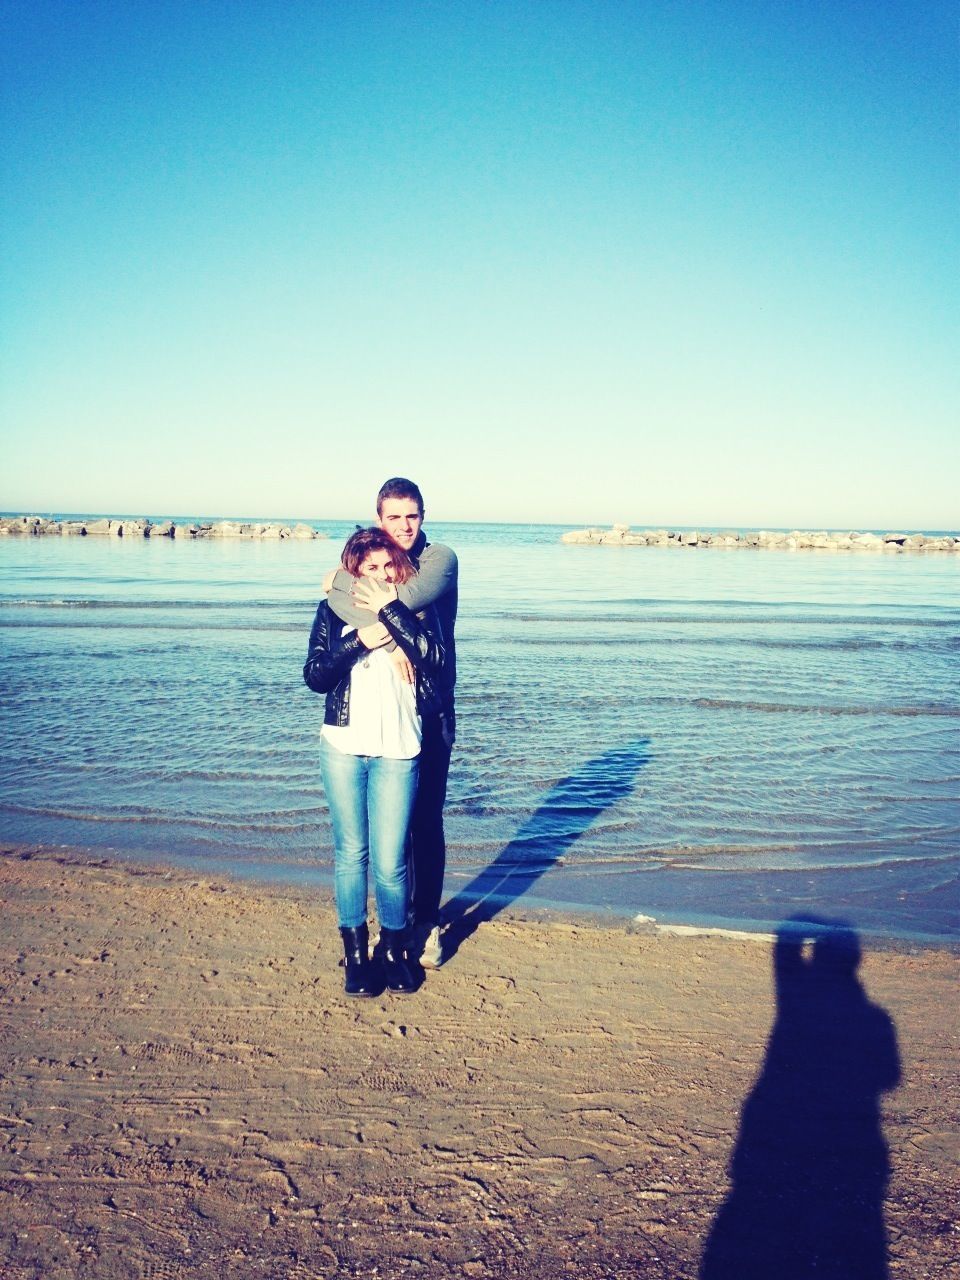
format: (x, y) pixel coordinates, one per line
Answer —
(584, 262)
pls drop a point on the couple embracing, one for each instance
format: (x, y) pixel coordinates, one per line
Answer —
(382, 651)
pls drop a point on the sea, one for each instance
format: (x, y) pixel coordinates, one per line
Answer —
(719, 738)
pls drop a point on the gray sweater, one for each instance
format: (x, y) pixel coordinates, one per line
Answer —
(435, 583)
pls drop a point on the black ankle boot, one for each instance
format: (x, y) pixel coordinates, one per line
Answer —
(359, 978)
(394, 956)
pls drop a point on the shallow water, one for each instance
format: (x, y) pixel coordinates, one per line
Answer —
(698, 735)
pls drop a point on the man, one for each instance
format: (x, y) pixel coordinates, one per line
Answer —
(400, 514)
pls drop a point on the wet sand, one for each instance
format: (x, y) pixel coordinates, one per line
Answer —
(186, 1092)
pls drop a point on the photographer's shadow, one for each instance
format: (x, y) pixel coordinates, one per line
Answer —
(810, 1166)
(567, 811)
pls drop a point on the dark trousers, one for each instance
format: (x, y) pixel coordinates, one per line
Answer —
(428, 850)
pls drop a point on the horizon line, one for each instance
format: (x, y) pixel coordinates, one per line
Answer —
(206, 517)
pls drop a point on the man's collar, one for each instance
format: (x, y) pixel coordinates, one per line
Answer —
(416, 551)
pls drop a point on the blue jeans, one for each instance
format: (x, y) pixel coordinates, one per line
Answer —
(370, 800)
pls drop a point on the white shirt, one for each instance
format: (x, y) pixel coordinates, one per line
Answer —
(384, 720)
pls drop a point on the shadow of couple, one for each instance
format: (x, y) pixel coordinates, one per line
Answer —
(566, 812)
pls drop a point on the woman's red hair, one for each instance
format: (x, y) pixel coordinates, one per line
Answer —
(359, 545)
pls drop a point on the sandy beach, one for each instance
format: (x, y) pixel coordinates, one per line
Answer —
(186, 1092)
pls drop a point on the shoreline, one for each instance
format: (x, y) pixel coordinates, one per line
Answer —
(317, 882)
(185, 1091)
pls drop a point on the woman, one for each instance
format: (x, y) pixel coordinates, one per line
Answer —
(370, 747)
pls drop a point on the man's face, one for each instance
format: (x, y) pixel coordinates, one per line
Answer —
(401, 518)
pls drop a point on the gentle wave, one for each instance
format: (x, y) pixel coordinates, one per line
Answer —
(46, 602)
(705, 612)
(698, 618)
(733, 704)
(251, 822)
(299, 774)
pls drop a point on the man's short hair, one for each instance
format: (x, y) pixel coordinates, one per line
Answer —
(398, 487)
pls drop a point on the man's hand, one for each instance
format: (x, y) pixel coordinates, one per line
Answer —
(371, 594)
(374, 636)
(404, 666)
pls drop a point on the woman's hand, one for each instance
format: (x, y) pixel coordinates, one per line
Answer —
(404, 666)
(372, 594)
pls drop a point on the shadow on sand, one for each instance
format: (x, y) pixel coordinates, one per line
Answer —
(810, 1165)
(567, 811)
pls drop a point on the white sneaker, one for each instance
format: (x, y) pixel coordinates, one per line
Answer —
(431, 957)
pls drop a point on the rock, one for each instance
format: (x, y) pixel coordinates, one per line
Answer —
(302, 531)
(866, 541)
(775, 539)
(99, 528)
(166, 529)
(28, 526)
(132, 528)
(20, 525)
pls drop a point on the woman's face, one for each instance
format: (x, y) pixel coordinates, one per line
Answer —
(377, 564)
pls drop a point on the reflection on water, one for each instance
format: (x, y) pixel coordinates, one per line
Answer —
(801, 713)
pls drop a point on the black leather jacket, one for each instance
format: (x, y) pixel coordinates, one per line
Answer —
(330, 657)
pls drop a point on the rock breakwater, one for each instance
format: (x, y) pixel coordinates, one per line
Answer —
(39, 526)
(621, 535)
